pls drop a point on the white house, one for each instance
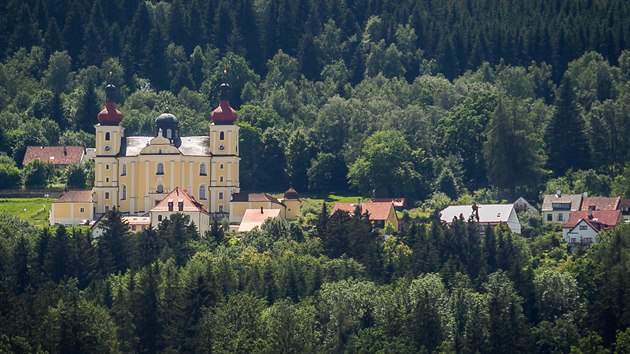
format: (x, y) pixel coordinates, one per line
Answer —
(557, 207)
(485, 215)
(583, 226)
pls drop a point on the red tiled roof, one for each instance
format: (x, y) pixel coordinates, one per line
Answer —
(54, 154)
(75, 197)
(377, 210)
(176, 196)
(600, 203)
(398, 202)
(256, 217)
(608, 218)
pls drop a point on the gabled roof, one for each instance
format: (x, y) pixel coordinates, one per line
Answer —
(75, 197)
(57, 155)
(376, 210)
(600, 203)
(254, 197)
(177, 196)
(550, 199)
(488, 213)
(522, 204)
(608, 218)
(256, 217)
(397, 202)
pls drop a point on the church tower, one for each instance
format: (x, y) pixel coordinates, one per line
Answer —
(109, 137)
(223, 134)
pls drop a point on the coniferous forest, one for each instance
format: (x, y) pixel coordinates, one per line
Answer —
(441, 102)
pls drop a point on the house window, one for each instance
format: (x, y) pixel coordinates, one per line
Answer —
(124, 170)
(180, 206)
(221, 195)
(549, 217)
(123, 193)
(202, 192)
(106, 195)
(560, 217)
(107, 136)
(133, 227)
(202, 169)
(572, 239)
(588, 239)
(160, 169)
(106, 208)
(160, 188)
(159, 217)
(170, 206)
(82, 210)
(583, 227)
(221, 136)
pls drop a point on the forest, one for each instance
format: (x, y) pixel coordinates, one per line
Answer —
(440, 102)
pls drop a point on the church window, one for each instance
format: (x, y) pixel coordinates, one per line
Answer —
(107, 166)
(202, 192)
(168, 133)
(221, 179)
(123, 194)
(220, 208)
(124, 170)
(221, 166)
(106, 195)
(106, 179)
(160, 168)
(202, 169)
(221, 136)
(159, 217)
(160, 188)
(107, 136)
(221, 195)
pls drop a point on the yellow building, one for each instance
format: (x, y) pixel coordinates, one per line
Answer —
(134, 173)
(289, 205)
(72, 208)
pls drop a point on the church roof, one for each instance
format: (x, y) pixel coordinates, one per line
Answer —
(191, 145)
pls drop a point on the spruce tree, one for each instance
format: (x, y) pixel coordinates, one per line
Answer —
(567, 146)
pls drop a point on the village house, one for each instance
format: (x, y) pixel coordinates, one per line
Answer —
(485, 215)
(557, 207)
(380, 213)
(584, 225)
(59, 156)
(72, 208)
(179, 201)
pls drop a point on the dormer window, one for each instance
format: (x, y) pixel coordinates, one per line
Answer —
(160, 169)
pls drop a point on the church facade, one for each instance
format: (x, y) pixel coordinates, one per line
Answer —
(135, 173)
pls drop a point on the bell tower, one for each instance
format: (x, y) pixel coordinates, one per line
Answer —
(225, 156)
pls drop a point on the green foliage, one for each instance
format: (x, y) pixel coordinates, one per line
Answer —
(10, 175)
(37, 173)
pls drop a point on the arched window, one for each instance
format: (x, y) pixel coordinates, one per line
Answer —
(160, 188)
(160, 168)
(202, 169)
(123, 193)
(107, 136)
(124, 170)
(221, 136)
(202, 192)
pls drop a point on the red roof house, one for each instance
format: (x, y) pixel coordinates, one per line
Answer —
(60, 156)
(583, 225)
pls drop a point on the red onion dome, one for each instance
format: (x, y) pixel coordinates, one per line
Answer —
(110, 115)
(224, 114)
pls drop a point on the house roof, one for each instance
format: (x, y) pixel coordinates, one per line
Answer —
(57, 155)
(550, 199)
(254, 197)
(522, 204)
(488, 213)
(75, 197)
(624, 203)
(377, 210)
(397, 202)
(600, 203)
(177, 196)
(608, 218)
(256, 217)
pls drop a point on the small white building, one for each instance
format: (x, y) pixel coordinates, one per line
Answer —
(583, 226)
(484, 214)
(557, 207)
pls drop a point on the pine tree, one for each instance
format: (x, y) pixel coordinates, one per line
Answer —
(87, 112)
(113, 244)
(567, 146)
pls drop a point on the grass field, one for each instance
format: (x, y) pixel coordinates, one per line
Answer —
(34, 210)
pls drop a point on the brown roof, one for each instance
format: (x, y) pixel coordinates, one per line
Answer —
(75, 197)
(600, 203)
(607, 218)
(377, 210)
(398, 202)
(57, 155)
(550, 199)
(254, 197)
(256, 217)
(177, 196)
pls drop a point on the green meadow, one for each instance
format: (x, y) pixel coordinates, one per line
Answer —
(34, 210)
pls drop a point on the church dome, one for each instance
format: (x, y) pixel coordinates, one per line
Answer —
(166, 118)
(291, 194)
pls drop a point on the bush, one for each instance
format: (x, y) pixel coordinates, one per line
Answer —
(10, 176)
(37, 173)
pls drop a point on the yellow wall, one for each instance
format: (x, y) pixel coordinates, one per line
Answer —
(70, 213)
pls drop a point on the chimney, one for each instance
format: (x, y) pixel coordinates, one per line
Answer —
(65, 151)
(261, 210)
(558, 193)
